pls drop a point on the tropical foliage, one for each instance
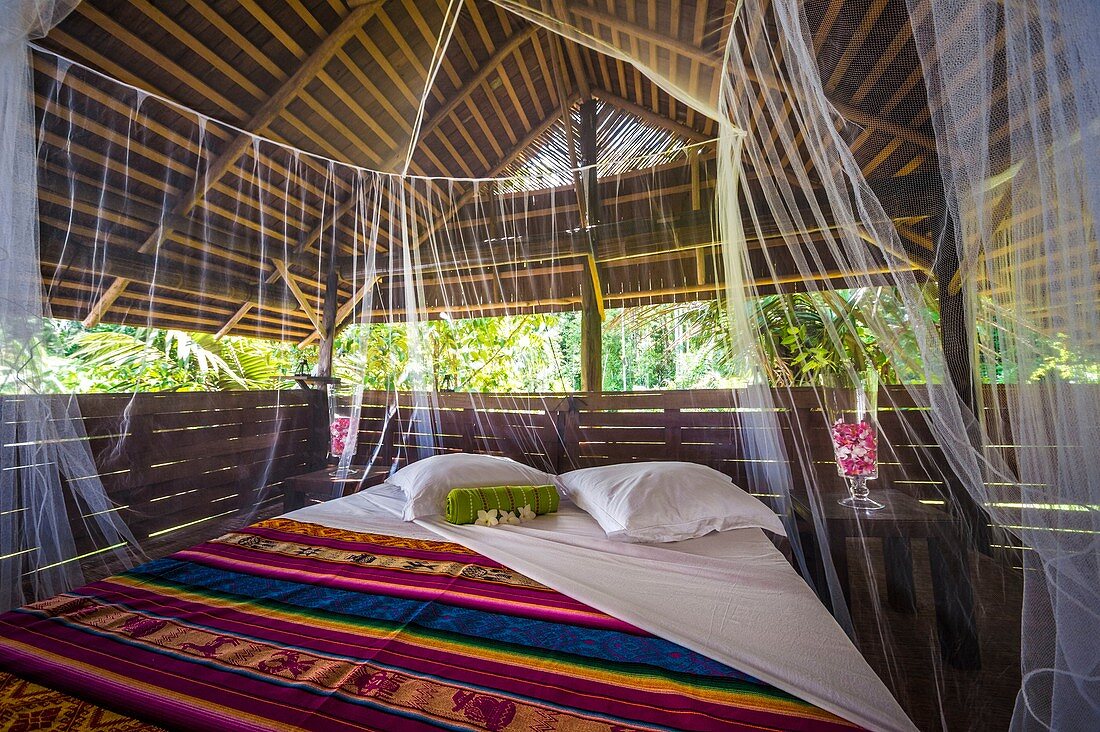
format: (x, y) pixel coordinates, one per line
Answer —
(510, 353)
(123, 358)
(807, 336)
(803, 337)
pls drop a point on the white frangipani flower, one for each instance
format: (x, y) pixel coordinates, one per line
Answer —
(487, 518)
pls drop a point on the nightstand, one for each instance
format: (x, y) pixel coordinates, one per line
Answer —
(903, 520)
(322, 485)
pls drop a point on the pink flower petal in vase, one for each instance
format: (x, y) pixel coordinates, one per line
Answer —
(338, 431)
(855, 447)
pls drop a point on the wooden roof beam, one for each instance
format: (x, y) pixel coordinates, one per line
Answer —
(146, 270)
(277, 103)
(574, 55)
(483, 73)
(518, 149)
(268, 112)
(694, 53)
(642, 33)
(649, 116)
(879, 124)
(292, 285)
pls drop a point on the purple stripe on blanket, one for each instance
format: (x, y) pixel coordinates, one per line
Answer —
(512, 675)
(459, 554)
(236, 697)
(451, 590)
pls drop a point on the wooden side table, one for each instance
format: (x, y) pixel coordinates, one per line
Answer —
(903, 520)
(321, 485)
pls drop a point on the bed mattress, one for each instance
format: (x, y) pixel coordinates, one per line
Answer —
(341, 617)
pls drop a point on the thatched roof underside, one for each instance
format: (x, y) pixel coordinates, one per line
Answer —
(496, 109)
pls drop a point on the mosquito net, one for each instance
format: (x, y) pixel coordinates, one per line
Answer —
(789, 202)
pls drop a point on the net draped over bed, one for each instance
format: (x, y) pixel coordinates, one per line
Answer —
(127, 207)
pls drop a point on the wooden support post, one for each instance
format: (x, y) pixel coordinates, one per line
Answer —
(696, 179)
(592, 302)
(954, 333)
(589, 158)
(346, 312)
(955, 340)
(328, 321)
(591, 339)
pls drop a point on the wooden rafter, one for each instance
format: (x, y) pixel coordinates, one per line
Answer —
(513, 154)
(481, 76)
(292, 285)
(644, 34)
(574, 56)
(236, 318)
(429, 126)
(649, 116)
(706, 58)
(268, 112)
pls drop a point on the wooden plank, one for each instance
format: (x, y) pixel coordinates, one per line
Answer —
(257, 124)
(292, 285)
(592, 291)
(647, 115)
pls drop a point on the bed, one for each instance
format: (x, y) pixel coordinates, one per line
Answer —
(341, 616)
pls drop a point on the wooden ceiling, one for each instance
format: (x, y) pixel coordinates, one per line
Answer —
(344, 81)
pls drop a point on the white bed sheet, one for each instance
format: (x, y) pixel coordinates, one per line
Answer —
(730, 596)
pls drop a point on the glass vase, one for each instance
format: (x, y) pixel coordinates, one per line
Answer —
(344, 406)
(853, 431)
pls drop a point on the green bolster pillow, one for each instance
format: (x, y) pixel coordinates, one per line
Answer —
(464, 503)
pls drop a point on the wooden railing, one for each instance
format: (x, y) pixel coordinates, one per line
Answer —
(176, 460)
(558, 433)
(171, 461)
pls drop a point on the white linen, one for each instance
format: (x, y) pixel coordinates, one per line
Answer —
(427, 482)
(730, 596)
(358, 512)
(665, 501)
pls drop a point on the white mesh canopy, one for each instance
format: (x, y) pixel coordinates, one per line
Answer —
(785, 209)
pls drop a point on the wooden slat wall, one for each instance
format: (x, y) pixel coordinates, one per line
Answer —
(176, 460)
(708, 427)
(524, 427)
(561, 433)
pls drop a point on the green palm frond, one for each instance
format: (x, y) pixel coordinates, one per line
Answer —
(115, 349)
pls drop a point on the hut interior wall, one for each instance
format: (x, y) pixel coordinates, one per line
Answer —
(175, 460)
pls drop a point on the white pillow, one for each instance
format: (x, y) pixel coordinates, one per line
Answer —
(427, 482)
(664, 501)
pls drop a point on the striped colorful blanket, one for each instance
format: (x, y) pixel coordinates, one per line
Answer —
(289, 625)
